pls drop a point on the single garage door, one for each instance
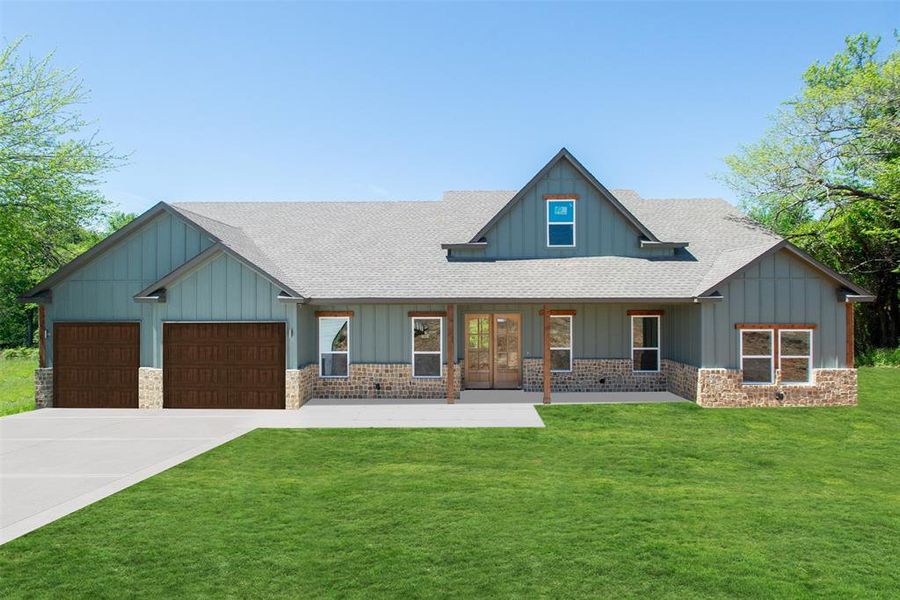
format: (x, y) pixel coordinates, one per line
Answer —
(95, 365)
(223, 365)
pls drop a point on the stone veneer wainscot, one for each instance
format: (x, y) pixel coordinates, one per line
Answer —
(395, 381)
(592, 375)
(43, 388)
(150, 387)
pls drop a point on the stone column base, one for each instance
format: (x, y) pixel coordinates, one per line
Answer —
(150, 387)
(297, 387)
(43, 388)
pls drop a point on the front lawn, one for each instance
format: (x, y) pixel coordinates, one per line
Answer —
(611, 501)
(16, 385)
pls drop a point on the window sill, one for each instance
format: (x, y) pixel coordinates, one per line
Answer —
(334, 376)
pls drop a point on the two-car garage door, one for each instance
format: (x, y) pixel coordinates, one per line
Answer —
(205, 365)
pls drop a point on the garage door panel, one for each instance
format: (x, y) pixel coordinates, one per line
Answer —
(223, 365)
(95, 365)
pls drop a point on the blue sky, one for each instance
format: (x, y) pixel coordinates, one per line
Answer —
(299, 101)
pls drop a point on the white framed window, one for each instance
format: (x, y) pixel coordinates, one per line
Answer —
(427, 350)
(561, 343)
(561, 223)
(795, 355)
(334, 346)
(757, 352)
(645, 343)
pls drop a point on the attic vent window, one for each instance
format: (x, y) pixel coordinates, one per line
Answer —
(561, 223)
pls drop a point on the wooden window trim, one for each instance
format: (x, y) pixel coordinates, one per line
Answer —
(773, 326)
(560, 196)
(558, 312)
(424, 314)
(646, 313)
(334, 313)
(850, 337)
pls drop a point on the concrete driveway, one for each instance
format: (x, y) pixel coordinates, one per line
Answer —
(55, 461)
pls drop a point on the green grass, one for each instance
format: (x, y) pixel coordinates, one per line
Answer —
(649, 501)
(16, 385)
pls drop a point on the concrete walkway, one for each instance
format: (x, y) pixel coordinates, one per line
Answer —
(55, 461)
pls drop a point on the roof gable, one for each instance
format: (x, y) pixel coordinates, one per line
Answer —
(565, 155)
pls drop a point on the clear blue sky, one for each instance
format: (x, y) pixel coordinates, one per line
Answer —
(279, 101)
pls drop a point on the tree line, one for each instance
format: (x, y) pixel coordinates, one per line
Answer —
(826, 176)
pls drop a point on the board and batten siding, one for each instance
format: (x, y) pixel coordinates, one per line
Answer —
(777, 288)
(599, 330)
(600, 229)
(379, 333)
(102, 290)
(224, 289)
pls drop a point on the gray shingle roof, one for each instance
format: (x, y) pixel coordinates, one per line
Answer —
(392, 250)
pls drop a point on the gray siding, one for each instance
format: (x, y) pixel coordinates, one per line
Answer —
(224, 289)
(600, 330)
(777, 288)
(600, 229)
(379, 333)
(102, 290)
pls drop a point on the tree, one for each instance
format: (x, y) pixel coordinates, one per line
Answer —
(50, 206)
(826, 175)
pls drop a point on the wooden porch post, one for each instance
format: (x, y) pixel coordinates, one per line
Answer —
(42, 338)
(546, 354)
(451, 354)
(850, 338)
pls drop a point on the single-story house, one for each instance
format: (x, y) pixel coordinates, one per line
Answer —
(563, 285)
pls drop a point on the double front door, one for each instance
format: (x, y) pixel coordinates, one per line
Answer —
(493, 345)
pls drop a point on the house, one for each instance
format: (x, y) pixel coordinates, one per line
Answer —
(562, 285)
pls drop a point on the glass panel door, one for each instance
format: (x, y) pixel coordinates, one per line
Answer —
(478, 351)
(507, 351)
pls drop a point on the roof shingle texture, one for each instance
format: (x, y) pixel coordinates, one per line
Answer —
(392, 250)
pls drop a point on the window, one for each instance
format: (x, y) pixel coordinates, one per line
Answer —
(561, 343)
(427, 352)
(645, 343)
(795, 355)
(757, 364)
(334, 346)
(561, 223)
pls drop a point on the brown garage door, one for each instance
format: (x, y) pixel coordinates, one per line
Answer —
(95, 365)
(223, 365)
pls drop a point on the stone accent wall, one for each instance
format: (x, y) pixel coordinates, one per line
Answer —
(298, 386)
(43, 388)
(724, 388)
(681, 379)
(307, 382)
(150, 387)
(382, 381)
(592, 375)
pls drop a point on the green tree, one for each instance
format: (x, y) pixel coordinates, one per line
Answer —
(826, 175)
(50, 166)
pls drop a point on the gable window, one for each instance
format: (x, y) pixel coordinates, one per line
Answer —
(795, 355)
(561, 223)
(645, 343)
(334, 346)
(561, 343)
(427, 352)
(757, 351)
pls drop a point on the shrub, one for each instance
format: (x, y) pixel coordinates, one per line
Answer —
(879, 357)
(13, 353)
